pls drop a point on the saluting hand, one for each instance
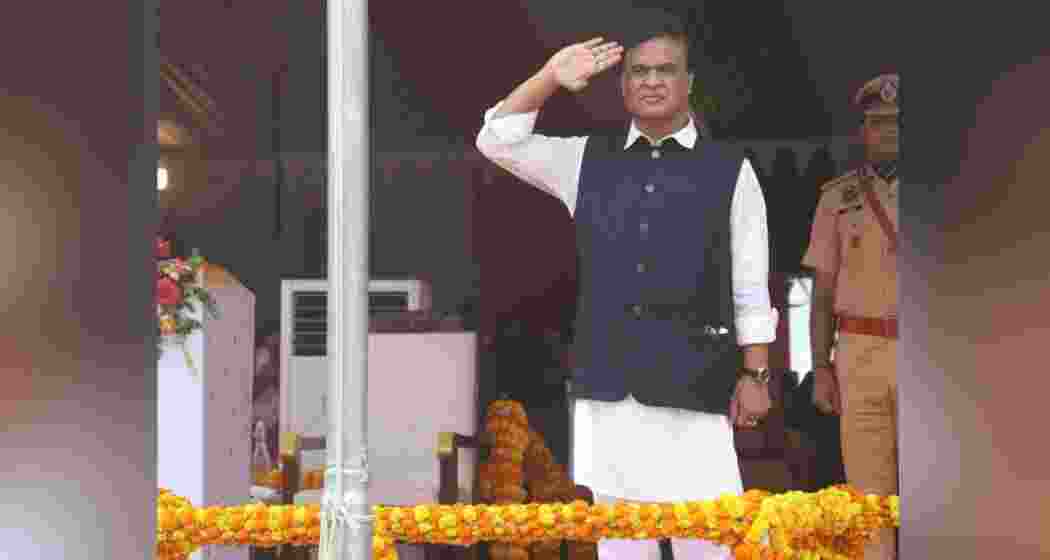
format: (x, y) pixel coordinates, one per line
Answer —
(574, 65)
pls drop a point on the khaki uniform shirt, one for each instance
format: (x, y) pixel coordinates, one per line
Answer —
(848, 242)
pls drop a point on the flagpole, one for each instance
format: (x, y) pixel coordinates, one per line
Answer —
(346, 530)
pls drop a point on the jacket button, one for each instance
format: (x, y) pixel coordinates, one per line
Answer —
(637, 310)
(644, 226)
(650, 188)
(641, 267)
(656, 154)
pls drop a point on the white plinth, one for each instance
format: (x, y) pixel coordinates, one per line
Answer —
(204, 417)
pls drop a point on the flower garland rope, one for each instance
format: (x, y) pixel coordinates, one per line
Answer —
(834, 523)
(548, 482)
(502, 475)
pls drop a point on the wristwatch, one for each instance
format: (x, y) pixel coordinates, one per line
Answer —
(758, 375)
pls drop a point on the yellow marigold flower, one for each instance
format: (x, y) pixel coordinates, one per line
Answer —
(733, 505)
(758, 530)
(185, 516)
(300, 516)
(470, 514)
(422, 513)
(166, 519)
(447, 520)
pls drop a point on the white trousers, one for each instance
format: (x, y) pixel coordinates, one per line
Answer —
(629, 451)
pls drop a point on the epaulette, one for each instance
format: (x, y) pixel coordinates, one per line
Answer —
(839, 181)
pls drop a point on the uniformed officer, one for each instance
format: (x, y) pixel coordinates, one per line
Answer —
(852, 252)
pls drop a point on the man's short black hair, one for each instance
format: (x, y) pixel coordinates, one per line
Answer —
(649, 23)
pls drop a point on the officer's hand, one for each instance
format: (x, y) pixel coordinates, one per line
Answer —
(750, 403)
(574, 65)
(826, 396)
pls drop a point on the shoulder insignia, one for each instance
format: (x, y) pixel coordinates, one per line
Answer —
(840, 182)
(851, 193)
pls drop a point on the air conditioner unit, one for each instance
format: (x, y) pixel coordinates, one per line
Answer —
(398, 295)
(304, 338)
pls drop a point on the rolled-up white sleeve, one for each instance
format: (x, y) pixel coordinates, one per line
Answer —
(549, 163)
(756, 319)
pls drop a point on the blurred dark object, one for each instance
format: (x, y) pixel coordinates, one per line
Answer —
(786, 209)
(823, 431)
(529, 366)
(773, 457)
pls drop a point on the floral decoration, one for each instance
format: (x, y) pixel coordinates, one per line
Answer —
(502, 475)
(179, 293)
(834, 524)
(548, 482)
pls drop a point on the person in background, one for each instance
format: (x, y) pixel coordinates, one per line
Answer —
(853, 255)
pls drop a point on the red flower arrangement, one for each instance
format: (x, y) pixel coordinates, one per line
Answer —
(179, 293)
(162, 248)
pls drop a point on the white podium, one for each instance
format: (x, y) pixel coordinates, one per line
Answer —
(204, 413)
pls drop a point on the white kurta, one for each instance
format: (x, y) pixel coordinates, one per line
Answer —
(624, 449)
(630, 451)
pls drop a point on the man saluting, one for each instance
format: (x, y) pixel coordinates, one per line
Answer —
(674, 316)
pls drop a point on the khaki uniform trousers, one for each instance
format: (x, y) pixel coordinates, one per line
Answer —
(867, 374)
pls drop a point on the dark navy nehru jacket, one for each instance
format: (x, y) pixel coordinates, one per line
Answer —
(655, 314)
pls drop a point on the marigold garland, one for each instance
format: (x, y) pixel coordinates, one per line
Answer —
(834, 523)
(548, 482)
(502, 474)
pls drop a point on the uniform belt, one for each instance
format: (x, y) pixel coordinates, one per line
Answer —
(868, 326)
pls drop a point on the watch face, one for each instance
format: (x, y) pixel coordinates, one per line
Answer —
(760, 375)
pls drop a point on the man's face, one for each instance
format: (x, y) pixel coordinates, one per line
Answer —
(881, 136)
(656, 79)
